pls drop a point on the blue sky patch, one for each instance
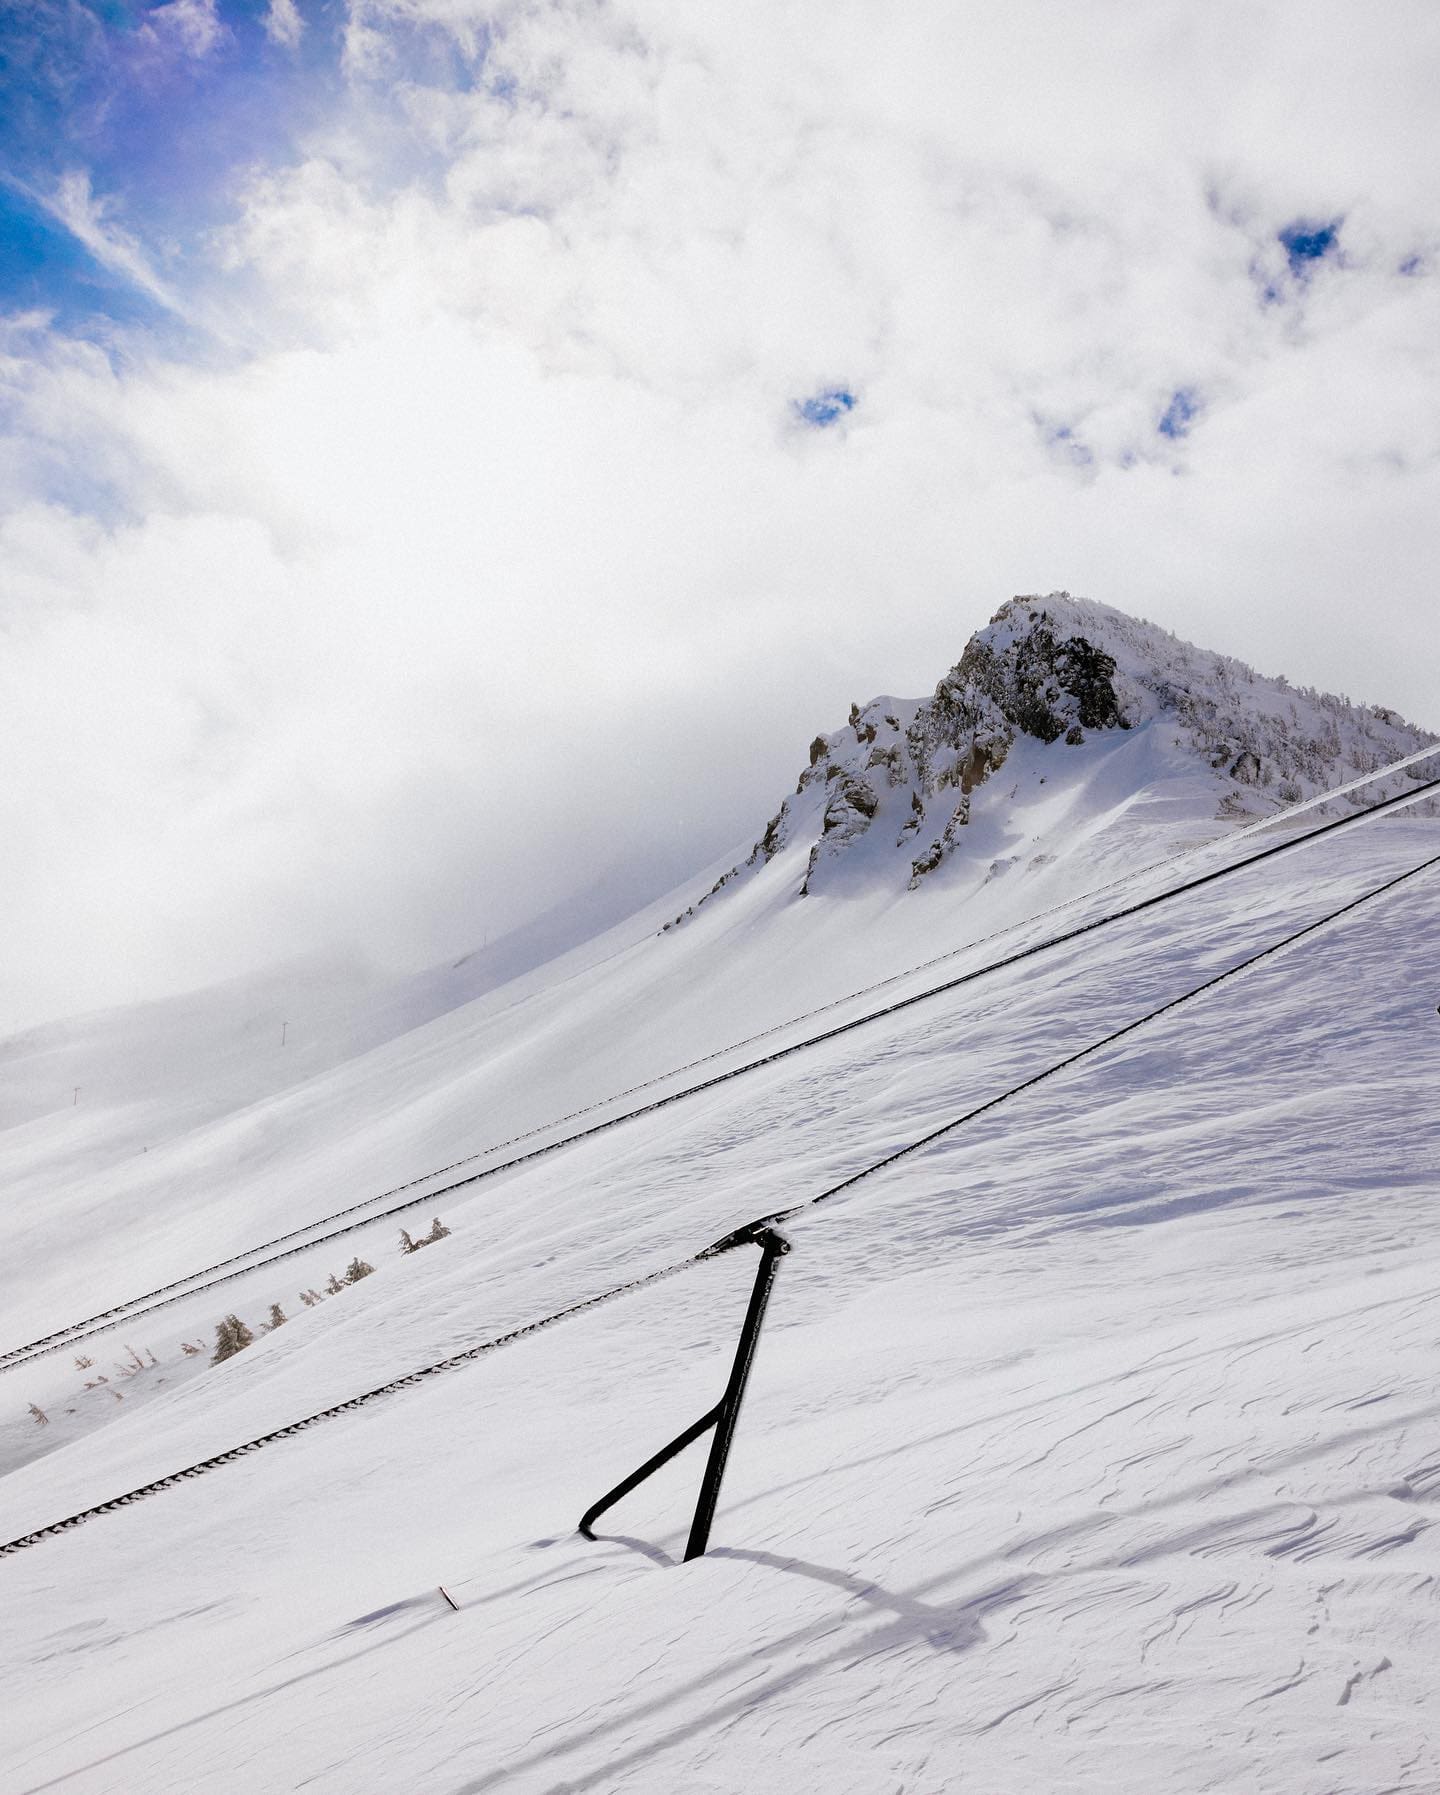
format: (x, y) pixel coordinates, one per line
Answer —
(1180, 413)
(163, 128)
(826, 407)
(1306, 242)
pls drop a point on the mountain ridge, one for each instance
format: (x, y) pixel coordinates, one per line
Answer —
(1055, 671)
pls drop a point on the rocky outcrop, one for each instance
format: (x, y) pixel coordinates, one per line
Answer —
(1029, 673)
(849, 814)
(1064, 674)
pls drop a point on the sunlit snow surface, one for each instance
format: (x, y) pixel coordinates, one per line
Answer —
(1096, 1447)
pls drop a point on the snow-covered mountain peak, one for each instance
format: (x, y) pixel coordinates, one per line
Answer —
(1063, 693)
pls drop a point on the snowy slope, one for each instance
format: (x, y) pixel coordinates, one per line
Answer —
(1095, 1447)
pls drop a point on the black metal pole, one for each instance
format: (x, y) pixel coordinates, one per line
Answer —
(726, 1413)
(648, 1469)
(772, 1246)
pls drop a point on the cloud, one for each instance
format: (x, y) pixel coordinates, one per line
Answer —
(88, 220)
(284, 24)
(501, 549)
(192, 26)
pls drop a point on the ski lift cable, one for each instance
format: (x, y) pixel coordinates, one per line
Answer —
(132, 1309)
(1083, 1053)
(69, 1335)
(749, 1233)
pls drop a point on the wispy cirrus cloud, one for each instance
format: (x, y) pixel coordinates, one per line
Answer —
(90, 221)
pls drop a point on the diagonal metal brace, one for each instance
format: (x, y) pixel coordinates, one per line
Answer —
(726, 1413)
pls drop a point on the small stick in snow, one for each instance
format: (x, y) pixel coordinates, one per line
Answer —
(448, 1597)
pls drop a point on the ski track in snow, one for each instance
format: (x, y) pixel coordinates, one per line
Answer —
(1095, 1448)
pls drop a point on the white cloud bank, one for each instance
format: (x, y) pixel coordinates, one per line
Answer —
(501, 551)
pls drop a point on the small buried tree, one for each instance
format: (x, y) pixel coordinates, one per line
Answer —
(356, 1270)
(438, 1231)
(231, 1336)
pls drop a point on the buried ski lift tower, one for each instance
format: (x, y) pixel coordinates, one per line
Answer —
(726, 1413)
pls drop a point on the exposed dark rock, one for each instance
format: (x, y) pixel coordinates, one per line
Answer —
(852, 805)
(942, 846)
(773, 839)
(852, 795)
(891, 758)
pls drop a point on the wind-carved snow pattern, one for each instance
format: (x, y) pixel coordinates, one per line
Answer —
(903, 779)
